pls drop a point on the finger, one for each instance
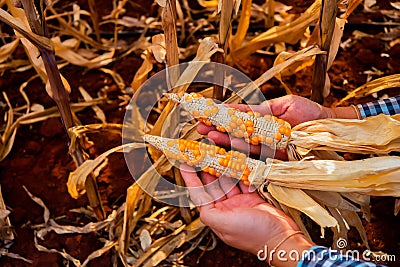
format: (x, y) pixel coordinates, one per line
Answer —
(225, 140)
(246, 189)
(196, 189)
(263, 108)
(229, 186)
(220, 139)
(278, 106)
(211, 186)
(241, 145)
(262, 150)
(204, 129)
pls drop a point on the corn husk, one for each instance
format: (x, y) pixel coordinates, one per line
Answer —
(378, 134)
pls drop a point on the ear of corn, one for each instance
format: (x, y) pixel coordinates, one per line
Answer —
(211, 159)
(251, 126)
(374, 176)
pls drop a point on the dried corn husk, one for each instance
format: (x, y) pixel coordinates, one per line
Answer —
(378, 134)
(297, 199)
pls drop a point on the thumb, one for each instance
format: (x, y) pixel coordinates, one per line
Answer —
(277, 106)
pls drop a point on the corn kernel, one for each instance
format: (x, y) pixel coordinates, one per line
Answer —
(282, 129)
(249, 123)
(209, 102)
(208, 123)
(277, 136)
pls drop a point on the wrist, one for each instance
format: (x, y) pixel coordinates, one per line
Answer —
(328, 113)
(350, 112)
(289, 250)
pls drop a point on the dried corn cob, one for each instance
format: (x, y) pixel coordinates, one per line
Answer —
(251, 126)
(212, 159)
(375, 176)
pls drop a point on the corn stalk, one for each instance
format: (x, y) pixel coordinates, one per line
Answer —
(39, 36)
(326, 28)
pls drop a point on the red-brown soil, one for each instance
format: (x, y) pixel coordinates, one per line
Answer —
(39, 159)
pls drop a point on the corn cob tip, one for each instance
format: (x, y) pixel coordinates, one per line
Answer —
(174, 97)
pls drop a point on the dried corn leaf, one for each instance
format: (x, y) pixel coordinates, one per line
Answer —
(68, 29)
(7, 49)
(297, 199)
(97, 110)
(119, 81)
(289, 33)
(70, 229)
(351, 7)
(138, 202)
(20, 24)
(206, 49)
(141, 74)
(63, 50)
(292, 69)
(208, 3)
(4, 252)
(373, 87)
(161, 248)
(8, 137)
(378, 134)
(107, 246)
(6, 232)
(31, 42)
(157, 49)
(272, 72)
(77, 178)
(236, 40)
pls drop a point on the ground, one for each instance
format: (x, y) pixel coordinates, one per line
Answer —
(39, 159)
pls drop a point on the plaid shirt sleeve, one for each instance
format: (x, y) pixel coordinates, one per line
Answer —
(388, 106)
(319, 256)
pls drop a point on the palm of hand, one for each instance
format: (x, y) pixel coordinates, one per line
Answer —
(246, 216)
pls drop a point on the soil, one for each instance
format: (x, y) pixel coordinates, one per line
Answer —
(39, 159)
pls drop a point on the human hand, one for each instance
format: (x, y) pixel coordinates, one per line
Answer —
(291, 108)
(296, 109)
(240, 218)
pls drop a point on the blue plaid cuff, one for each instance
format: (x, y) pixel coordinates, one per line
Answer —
(319, 256)
(389, 106)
